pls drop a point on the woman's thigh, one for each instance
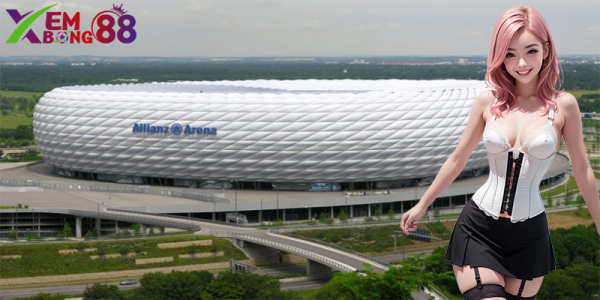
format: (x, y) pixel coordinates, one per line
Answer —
(531, 286)
(465, 277)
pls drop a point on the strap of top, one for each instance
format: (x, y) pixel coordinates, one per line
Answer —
(551, 115)
(494, 115)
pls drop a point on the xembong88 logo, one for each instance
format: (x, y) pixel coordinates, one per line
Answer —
(106, 26)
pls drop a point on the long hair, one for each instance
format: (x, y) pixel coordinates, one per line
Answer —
(509, 23)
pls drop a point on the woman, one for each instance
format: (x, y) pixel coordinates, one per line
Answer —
(500, 247)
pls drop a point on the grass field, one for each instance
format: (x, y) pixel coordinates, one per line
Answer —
(578, 93)
(12, 121)
(20, 94)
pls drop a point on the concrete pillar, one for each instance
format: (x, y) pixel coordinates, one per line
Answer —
(143, 229)
(401, 207)
(316, 270)
(332, 211)
(283, 217)
(309, 214)
(369, 210)
(351, 212)
(98, 227)
(450, 202)
(260, 212)
(116, 226)
(162, 230)
(78, 227)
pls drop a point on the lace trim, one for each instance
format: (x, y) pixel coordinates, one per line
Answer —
(548, 128)
(494, 126)
(511, 217)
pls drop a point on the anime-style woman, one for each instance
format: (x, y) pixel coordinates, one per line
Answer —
(500, 246)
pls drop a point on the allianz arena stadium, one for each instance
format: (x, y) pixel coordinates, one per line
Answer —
(326, 135)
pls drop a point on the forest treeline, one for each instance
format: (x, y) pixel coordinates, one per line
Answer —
(577, 277)
(36, 78)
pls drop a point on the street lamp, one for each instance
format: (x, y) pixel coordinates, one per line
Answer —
(277, 206)
(215, 209)
(346, 204)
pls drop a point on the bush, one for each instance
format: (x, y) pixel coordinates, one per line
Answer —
(80, 246)
(342, 216)
(391, 214)
(13, 234)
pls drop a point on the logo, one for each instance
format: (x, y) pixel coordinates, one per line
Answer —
(63, 29)
(175, 129)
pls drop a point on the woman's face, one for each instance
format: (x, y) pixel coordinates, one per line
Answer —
(523, 60)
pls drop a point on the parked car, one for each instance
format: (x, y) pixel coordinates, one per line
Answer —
(128, 282)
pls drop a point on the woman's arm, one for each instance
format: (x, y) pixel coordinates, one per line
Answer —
(584, 175)
(459, 158)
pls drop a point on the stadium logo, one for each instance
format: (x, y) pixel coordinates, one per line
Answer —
(175, 129)
(67, 29)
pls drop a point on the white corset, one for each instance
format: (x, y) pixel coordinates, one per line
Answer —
(533, 160)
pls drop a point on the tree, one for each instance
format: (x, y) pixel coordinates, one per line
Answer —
(13, 234)
(67, 233)
(137, 229)
(224, 290)
(391, 214)
(393, 284)
(175, 285)
(378, 214)
(89, 235)
(549, 200)
(322, 218)
(101, 291)
(342, 216)
(46, 296)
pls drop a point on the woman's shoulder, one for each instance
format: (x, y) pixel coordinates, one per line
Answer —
(486, 97)
(567, 102)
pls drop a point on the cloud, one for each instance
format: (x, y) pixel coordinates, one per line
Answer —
(593, 28)
(12, 5)
(72, 7)
(312, 23)
(377, 26)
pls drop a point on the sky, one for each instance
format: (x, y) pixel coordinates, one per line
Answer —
(246, 28)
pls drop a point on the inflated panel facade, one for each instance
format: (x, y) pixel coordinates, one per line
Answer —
(260, 130)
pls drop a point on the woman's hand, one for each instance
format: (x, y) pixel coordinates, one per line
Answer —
(410, 218)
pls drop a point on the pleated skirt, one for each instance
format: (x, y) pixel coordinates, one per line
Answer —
(521, 250)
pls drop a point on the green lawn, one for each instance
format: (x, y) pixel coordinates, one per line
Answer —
(44, 259)
(579, 93)
(20, 94)
(12, 121)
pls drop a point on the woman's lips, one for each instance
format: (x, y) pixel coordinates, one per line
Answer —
(523, 75)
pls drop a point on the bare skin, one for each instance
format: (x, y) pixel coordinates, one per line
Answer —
(523, 118)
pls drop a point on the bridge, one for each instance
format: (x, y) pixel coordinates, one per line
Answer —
(322, 259)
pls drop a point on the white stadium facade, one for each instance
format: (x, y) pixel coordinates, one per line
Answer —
(308, 135)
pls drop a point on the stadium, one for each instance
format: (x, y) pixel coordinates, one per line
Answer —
(288, 149)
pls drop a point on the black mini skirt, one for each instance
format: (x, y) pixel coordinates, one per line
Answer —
(519, 250)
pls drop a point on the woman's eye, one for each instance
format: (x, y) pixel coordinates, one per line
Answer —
(534, 52)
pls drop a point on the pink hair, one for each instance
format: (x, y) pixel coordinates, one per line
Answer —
(509, 23)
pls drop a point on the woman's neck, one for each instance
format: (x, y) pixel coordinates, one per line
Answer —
(526, 91)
